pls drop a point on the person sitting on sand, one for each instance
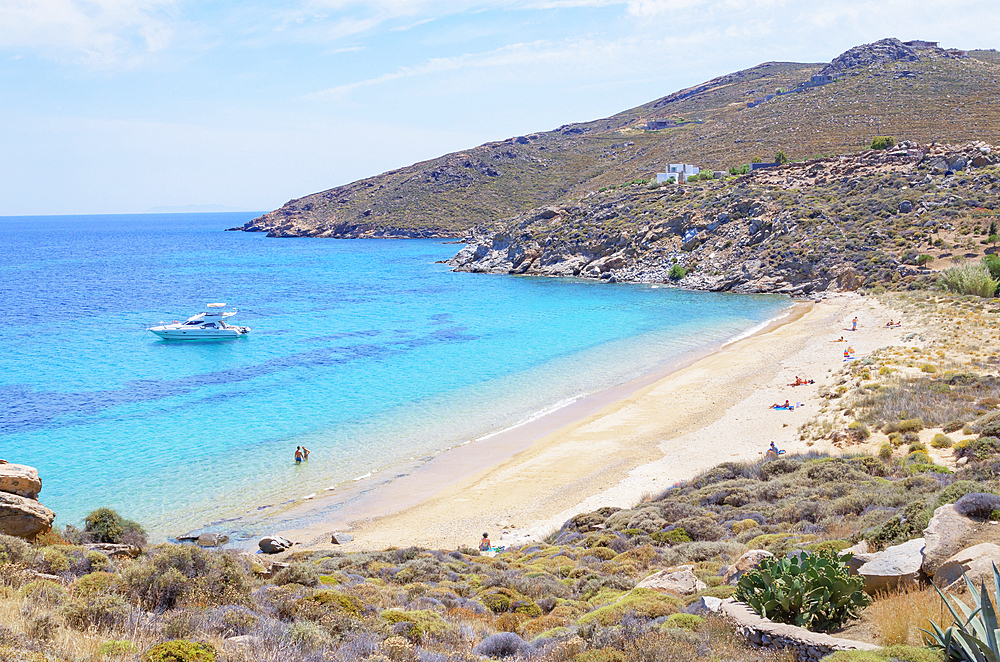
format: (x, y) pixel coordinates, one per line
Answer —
(890, 324)
(484, 543)
(298, 455)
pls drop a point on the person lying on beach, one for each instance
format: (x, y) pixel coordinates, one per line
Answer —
(802, 382)
(840, 339)
(890, 324)
(787, 405)
(484, 543)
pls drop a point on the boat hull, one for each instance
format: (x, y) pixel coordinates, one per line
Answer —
(198, 334)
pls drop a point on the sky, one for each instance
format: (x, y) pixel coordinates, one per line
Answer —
(124, 106)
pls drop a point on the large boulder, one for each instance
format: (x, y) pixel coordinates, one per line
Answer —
(749, 561)
(23, 517)
(20, 480)
(947, 533)
(274, 544)
(976, 563)
(704, 606)
(680, 580)
(895, 567)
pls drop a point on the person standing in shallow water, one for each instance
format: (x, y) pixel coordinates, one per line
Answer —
(298, 455)
(305, 453)
(485, 544)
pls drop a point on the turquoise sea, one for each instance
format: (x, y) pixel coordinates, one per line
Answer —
(368, 352)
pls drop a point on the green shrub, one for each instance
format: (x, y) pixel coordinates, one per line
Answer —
(672, 537)
(308, 636)
(685, 621)
(885, 451)
(780, 157)
(942, 441)
(897, 653)
(115, 648)
(883, 142)
(969, 278)
(859, 431)
(814, 591)
(54, 561)
(677, 272)
(917, 446)
(105, 525)
(180, 650)
(924, 260)
(14, 550)
(911, 425)
(992, 262)
(300, 572)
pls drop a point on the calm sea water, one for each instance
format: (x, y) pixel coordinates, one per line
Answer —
(368, 352)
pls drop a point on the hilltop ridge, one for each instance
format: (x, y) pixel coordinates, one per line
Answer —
(885, 88)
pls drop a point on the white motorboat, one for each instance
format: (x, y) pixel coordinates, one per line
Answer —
(208, 325)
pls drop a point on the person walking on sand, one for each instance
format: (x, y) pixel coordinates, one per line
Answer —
(298, 455)
(484, 543)
(854, 324)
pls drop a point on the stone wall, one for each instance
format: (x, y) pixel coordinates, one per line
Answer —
(763, 633)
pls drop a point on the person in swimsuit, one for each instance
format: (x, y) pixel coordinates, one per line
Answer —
(484, 543)
(298, 455)
(305, 453)
(854, 324)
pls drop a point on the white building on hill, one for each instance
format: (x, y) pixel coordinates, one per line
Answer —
(677, 172)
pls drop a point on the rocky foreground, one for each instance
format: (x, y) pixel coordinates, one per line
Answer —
(824, 224)
(21, 514)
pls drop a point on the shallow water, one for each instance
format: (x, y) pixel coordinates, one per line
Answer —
(365, 351)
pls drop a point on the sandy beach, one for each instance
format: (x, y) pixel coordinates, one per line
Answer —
(648, 437)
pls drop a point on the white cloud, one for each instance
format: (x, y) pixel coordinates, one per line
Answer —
(95, 32)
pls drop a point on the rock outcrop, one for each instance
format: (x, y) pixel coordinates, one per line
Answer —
(23, 517)
(21, 514)
(976, 563)
(20, 480)
(757, 233)
(866, 55)
(274, 544)
(895, 567)
(947, 533)
(749, 561)
(680, 580)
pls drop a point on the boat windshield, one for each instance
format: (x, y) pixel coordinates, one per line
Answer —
(192, 323)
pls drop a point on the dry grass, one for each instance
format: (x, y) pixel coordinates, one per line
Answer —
(899, 616)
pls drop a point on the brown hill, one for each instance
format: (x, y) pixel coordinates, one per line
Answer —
(885, 88)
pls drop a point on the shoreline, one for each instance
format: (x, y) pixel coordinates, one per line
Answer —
(397, 487)
(713, 409)
(358, 508)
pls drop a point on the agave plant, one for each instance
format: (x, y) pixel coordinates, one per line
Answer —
(973, 635)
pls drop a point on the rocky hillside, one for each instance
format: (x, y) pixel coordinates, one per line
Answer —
(829, 223)
(885, 88)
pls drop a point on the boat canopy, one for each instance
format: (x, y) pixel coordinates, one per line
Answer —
(216, 305)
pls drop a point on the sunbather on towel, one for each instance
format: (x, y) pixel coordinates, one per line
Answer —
(787, 405)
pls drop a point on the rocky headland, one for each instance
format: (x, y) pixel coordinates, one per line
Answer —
(884, 88)
(834, 223)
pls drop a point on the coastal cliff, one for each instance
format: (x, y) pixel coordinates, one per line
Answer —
(833, 223)
(803, 109)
